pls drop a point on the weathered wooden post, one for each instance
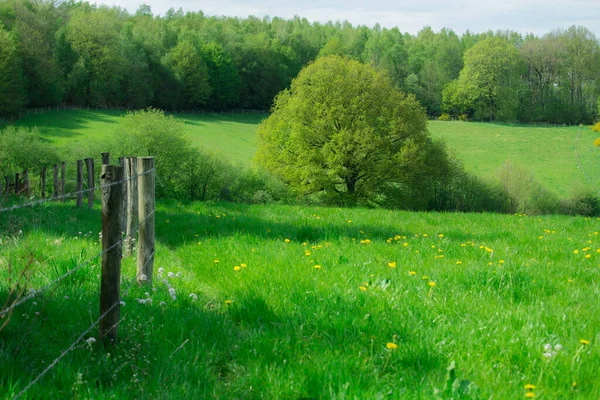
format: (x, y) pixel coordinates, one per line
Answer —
(43, 182)
(26, 182)
(79, 183)
(132, 203)
(110, 286)
(17, 184)
(56, 189)
(105, 158)
(145, 257)
(89, 163)
(124, 211)
(63, 171)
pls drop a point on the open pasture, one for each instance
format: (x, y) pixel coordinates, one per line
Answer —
(299, 302)
(560, 158)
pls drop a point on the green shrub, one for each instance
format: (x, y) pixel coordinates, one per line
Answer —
(445, 117)
(583, 202)
(525, 194)
(463, 117)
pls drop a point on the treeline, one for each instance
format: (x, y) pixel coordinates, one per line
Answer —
(79, 54)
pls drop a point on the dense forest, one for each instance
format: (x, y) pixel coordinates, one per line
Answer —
(75, 53)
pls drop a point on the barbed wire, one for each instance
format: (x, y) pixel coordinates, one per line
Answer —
(35, 292)
(64, 196)
(80, 337)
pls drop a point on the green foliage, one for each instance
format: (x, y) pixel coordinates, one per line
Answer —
(223, 76)
(525, 193)
(596, 127)
(11, 83)
(342, 132)
(487, 84)
(185, 60)
(445, 117)
(22, 148)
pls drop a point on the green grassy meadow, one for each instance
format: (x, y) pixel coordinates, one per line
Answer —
(561, 158)
(289, 302)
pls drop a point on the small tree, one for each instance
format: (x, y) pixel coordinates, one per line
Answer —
(342, 132)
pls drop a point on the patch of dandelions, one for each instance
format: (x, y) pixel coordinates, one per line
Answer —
(551, 351)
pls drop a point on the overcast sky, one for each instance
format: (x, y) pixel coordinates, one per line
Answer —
(536, 16)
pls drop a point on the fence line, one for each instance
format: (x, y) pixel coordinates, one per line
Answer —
(64, 196)
(79, 338)
(35, 292)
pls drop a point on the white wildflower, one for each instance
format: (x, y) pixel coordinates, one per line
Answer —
(194, 296)
(170, 274)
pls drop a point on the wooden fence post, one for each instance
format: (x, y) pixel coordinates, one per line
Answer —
(110, 286)
(26, 182)
(132, 203)
(79, 183)
(63, 171)
(124, 211)
(43, 182)
(56, 180)
(105, 158)
(17, 184)
(89, 163)
(145, 257)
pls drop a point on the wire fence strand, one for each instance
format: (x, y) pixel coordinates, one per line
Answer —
(35, 292)
(65, 196)
(79, 338)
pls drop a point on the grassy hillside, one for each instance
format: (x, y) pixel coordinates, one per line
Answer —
(561, 158)
(295, 302)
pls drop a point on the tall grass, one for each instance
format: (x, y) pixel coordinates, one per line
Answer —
(301, 302)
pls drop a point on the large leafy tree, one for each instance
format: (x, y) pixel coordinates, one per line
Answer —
(342, 131)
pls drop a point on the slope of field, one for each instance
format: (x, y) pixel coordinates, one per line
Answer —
(280, 302)
(561, 158)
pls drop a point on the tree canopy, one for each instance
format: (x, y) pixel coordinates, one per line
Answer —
(82, 54)
(342, 132)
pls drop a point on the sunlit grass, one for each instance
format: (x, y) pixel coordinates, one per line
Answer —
(397, 297)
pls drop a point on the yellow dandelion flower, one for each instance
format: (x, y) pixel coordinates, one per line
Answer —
(412, 273)
(349, 221)
(243, 265)
(307, 253)
(425, 277)
(575, 251)
(463, 245)
(441, 235)
(363, 288)
(237, 268)
(431, 283)
(570, 281)
(216, 261)
(391, 346)
(392, 264)
(458, 262)
(530, 395)
(397, 237)
(217, 216)
(425, 235)
(286, 240)
(588, 256)
(228, 302)
(584, 342)
(317, 266)
(529, 386)
(406, 245)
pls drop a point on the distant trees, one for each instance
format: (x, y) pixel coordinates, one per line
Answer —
(82, 54)
(488, 84)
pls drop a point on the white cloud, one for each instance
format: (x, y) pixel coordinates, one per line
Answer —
(537, 16)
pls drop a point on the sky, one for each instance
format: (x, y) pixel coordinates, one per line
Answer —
(524, 16)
